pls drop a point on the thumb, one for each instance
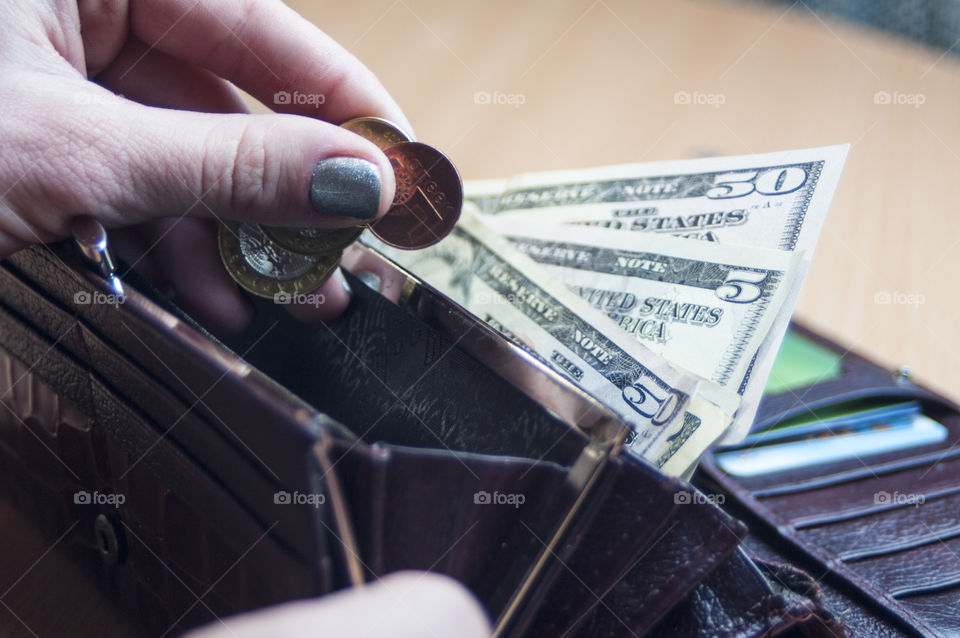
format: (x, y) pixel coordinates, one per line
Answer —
(402, 605)
(126, 163)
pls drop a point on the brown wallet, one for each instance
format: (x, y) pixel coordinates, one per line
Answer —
(297, 460)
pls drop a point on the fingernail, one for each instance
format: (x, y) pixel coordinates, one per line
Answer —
(344, 282)
(346, 186)
(371, 279)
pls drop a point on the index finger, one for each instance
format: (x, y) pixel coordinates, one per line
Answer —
(270, 51)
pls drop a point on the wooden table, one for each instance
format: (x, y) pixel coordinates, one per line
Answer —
(597, 82)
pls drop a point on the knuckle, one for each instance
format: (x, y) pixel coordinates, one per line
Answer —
(249, 178)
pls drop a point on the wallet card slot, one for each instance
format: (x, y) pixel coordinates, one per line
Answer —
(859, 473)
(865, 495)
(890, 531)
(931, 568)
(933, 588)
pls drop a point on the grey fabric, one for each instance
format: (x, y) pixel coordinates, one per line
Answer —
(932, 22)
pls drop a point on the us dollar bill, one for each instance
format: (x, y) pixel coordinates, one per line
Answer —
(705, 307)
(772, 200)
(672, 423)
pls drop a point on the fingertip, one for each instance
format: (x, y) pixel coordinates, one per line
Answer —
(352, 189)
(222, 310)
(443, 604)
(326, 303)
(368, 268)
(188, 259)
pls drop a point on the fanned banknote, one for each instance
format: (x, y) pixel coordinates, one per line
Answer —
(705, 307)
(672, 422)
(773, 200)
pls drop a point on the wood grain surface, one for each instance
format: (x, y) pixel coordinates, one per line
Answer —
(598, 80)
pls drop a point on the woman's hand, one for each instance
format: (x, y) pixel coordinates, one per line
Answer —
(158, 143)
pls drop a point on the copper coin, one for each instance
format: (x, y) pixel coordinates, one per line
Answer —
(428, 198)
(381, 132)
(312, 241)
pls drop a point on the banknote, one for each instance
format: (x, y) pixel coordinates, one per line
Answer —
(706, 307)
(773, 200)
(672, 422)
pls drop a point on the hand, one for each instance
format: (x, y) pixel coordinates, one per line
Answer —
(403, 605)
(159, 146)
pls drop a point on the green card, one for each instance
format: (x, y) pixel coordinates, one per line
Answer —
(801, 362)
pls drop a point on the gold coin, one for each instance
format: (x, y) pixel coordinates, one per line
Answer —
(312, 241)
(381, 132)
(267, 270)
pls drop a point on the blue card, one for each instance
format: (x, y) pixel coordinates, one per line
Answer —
(832, 444)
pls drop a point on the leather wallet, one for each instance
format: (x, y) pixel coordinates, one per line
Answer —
(200, 478)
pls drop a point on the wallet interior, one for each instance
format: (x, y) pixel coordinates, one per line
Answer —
(387, 377)
(390, 378)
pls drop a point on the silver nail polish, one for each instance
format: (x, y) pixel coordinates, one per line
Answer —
(346, 186)
(371, 279)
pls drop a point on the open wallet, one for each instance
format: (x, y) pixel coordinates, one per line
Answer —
(299, 459)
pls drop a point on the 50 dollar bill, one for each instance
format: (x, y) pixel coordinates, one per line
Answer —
(772, 200)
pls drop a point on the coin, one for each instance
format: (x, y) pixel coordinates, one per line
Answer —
(381, 132)
(312, 241)
(268, 270)
(427, 200)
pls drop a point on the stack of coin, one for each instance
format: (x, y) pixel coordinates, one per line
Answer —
(275, 262)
